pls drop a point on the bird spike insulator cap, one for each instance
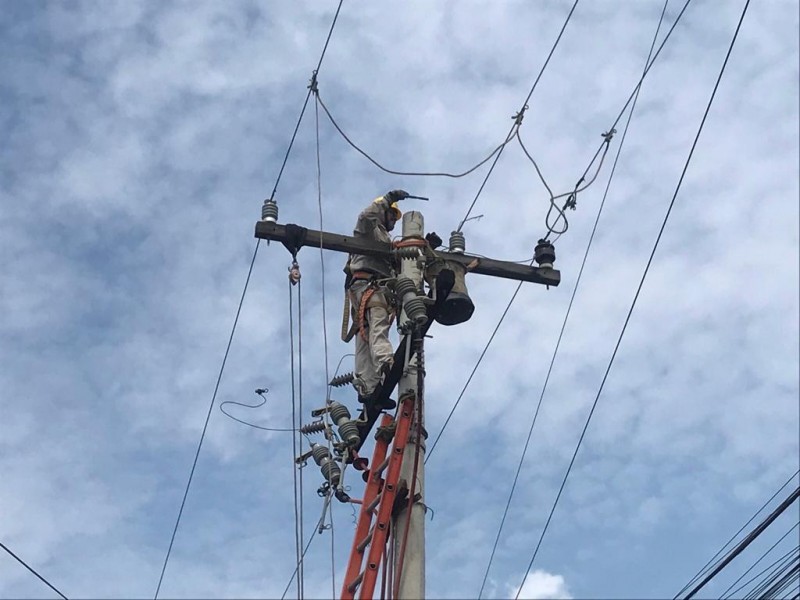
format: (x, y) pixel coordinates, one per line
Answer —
(269, 210)
(544, 254)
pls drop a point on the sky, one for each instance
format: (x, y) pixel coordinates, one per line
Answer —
(139, 141)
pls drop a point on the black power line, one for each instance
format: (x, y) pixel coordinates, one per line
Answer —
(636, 296)
(747, 540)
(205, 425)
(566, 316)
(239, 309)
(518, 116)
(24, 564)
(708, 566)
(311, 88)
(591, 162)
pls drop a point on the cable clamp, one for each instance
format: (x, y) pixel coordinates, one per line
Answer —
(608, 135)
(572, 201)
(519, 116)
(312, 84)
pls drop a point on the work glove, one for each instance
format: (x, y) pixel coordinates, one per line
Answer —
(396, 196)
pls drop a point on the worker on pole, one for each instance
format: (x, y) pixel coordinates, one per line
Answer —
(371, 302)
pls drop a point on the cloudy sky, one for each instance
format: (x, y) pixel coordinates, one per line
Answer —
(138, 142)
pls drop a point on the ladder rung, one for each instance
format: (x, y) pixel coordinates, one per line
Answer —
(365, 542)
(371, 506)
(351, 587)
(382, 467)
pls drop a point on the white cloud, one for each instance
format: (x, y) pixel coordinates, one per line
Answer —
(541, 585)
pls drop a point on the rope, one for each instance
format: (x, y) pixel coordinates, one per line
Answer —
(24, 564)
(308, 95)
(564, 323)
(300, 418)
(205, 425)
(518, 117)
(636, 296)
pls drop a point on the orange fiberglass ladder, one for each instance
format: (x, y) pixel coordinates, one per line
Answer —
(379, 498)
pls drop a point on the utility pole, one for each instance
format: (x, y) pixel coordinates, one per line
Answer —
(448, 303)
(409, 524)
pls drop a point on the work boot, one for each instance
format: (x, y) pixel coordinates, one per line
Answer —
(386, 368)
(371, 400)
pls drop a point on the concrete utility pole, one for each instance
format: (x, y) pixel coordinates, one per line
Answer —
(410, 563)
(449, 304)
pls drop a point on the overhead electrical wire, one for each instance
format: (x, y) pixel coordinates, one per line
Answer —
(238, 311)
(32, 570)
(297, 441)
(308, 95)
(363, 153)
(638, 291)
(570, 202)
(566, 317)
(530, 261)
(711, 562)
(326, 415)
(779, 564)
(208, 418)
(518, 116)
(760, 558)
(739, 548)
(251, 406)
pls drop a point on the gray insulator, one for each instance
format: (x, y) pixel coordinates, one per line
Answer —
(330, 470)
(403, 286)
(341, 380)
(339, 411)
(269, 210)
(348, 431)
(315, 427)
(457, 242)
(415, 310)
(406, 252)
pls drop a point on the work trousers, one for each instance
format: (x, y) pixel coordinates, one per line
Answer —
(376, 350)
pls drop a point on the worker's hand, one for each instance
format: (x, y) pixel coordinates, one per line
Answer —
(396, 196)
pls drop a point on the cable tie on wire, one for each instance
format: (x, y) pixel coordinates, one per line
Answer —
(519, 116)
(312, 83)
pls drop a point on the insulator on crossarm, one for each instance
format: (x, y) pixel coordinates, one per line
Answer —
(342, 380)
(315, 427)
(269, 210)
(458, 242)
(330, 470)
(545, 254)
